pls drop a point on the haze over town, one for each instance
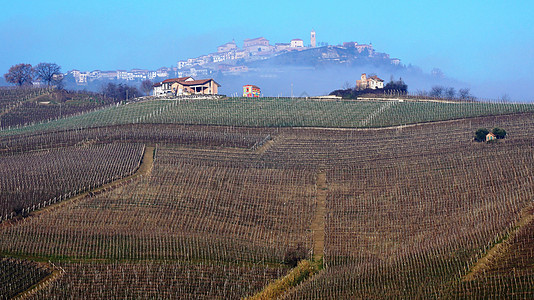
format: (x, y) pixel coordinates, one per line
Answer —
(486, 46)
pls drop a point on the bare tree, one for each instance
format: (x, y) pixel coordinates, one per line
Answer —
(347, 85)
(450, 92)
(146, 86)
(437, 91)
(21, 74)
(47, 72)
(504, 98)
(464, 93)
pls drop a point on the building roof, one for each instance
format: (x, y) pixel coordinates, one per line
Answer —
(375, 78)
(176, 79)
(256, 39)
(229, 43)
(198, 82)
(296, 40)
(251, 86)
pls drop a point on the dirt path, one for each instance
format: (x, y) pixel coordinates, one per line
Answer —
(145, 168)
(56, 273)
(500, 250)
(266, 146)
(317, 225)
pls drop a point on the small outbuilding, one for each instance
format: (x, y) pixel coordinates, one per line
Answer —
(490, 137)
(250, 90)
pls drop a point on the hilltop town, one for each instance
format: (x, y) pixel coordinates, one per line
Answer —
(230, 59)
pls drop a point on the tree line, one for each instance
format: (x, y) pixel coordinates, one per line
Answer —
(439, 91)
(50, 74)
(24, 74)
(393, 86)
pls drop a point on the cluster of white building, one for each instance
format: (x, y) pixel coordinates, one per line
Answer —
(229, 58)
(132, 75)
(253, 49)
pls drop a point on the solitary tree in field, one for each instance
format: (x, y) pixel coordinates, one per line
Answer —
(146, 86)
(21, 74)
(48, 72)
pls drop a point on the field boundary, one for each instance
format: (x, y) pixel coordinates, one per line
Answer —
(318, 225)
(408, 125)
(266, 144)
(501, 248)
(302, 272)
(43, 283)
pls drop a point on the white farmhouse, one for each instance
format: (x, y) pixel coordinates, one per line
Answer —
(372, 82)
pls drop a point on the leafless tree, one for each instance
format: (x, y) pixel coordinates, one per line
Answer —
(450, 92)
(21, 74)
(146, 86)
(464, 93)
(437, 91)
(48, 72)
(347, 86)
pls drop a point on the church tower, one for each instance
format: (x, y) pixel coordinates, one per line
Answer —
(312, 38)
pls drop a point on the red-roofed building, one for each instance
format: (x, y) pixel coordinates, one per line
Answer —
(250, 90)
(186, 86)
(372, 82)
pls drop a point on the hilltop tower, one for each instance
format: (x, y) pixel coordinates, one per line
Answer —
(313, 38)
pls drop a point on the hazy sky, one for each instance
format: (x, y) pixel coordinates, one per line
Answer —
(473, 41)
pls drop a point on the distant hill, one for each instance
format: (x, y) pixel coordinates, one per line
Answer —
(315, 71)
(327, 56)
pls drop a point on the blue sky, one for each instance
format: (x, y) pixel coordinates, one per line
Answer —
(477, 42)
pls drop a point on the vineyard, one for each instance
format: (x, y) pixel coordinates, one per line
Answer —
(18, 275)
(275, 112)
(37, 179)
(220, 212)
(25, 106)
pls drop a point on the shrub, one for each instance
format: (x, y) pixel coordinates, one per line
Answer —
(294, 255)
(499, 132)
(480, 134)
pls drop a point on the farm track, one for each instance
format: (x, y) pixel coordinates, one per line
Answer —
(500, 250)
(265, 147)
(318, 222)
